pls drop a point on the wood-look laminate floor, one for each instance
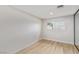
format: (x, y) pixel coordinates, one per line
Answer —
(49, 47)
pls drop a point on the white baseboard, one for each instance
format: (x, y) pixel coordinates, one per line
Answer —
(59, 41)
(14, 52)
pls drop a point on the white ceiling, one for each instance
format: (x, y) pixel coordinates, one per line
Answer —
(43, 11)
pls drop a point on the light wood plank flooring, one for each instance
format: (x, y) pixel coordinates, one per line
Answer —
(49, 47)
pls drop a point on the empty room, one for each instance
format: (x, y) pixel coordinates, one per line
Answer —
(39, 29)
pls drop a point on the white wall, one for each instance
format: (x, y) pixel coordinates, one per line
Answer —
(61, 34)
(17, 30)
